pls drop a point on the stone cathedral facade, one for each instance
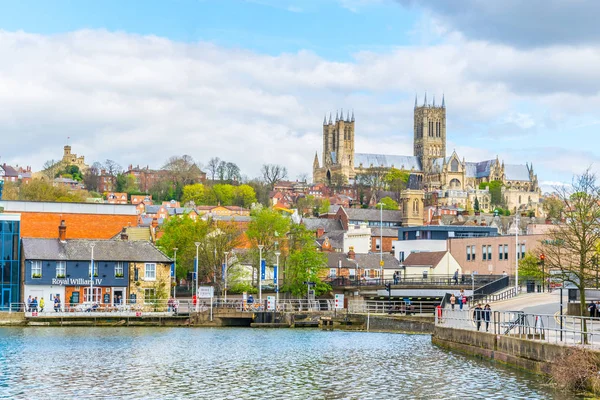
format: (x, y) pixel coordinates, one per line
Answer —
(453, 181)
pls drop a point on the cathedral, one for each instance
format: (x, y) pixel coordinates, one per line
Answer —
(448, 178)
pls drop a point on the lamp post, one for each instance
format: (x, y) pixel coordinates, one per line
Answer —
(380, 204)
(517, 253)
(196, 268)
(92, 274)
(175, 273)
(260, 248)
(225, 277)
(277, 254)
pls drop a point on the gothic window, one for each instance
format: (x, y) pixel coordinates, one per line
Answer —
(454, 165)
(454, 184)
(415, 206)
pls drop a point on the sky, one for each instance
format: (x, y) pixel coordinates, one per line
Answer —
(250, 81)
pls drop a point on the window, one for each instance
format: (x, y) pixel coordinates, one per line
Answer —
(95, 269)
(149, 294)
(97, 294)
(150, 273)
(489, 252)
(506, 252)
(332, 272)
(36, 269)
(484, 252)
(500, 252)
(401, 256)
(61, 269)
(377, 244)
(523, 251)
(454, 165)
(468, 253)
(473, 253)
(119, 270)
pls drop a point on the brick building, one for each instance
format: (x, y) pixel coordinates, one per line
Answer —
(85, 221)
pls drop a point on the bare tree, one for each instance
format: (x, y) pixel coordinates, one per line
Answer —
(374, 179)
(303, 177)
(112, 168)
(222, 170)
(51, 168)
(212, 167)
(273, 173)
(232, 172)
(572, 247)
(182, 170)
(91, 176)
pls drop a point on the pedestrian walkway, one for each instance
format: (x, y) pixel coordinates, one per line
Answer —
(525, 300)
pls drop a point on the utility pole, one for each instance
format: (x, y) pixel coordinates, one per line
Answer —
(517, 253)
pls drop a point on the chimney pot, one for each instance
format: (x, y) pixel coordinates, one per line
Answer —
(62, 231)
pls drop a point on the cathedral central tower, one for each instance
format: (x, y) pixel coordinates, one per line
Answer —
(429, 132)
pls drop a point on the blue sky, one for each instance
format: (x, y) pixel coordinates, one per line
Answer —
(249, 81)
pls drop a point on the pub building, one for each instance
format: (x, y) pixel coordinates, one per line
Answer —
(62, 267)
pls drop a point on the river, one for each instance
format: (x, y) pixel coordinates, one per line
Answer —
(239, 363)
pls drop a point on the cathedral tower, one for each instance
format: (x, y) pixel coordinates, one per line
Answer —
(338, 146)
(429, 132)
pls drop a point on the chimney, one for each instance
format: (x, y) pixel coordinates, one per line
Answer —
(62, 231)
(124, 235)
(351, 253)
(320, 232)
(154, 223)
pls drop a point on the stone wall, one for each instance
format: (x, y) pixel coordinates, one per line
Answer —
(533, 356)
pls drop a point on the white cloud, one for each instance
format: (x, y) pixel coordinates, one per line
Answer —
(140, 99)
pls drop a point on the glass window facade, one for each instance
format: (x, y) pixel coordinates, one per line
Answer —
(10, 229)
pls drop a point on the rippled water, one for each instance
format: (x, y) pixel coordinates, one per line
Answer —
(156, 363)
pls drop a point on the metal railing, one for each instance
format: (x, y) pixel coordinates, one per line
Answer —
(490, 298)
(167, 307)
(434, 280)
(400, 307)
(550, 328)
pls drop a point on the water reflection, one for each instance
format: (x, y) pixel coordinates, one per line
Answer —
(155, 363)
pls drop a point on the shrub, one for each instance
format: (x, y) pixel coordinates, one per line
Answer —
(577, 370)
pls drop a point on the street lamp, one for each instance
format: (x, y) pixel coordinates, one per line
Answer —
(380, 204)
(277, 254)
(260, 248)
(197, 246)
(175, 273)
(225, 276)
(517, 253)
(92, 274)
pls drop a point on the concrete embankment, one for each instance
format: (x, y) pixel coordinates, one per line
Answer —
(12, 319)
(533, 356)
(379, 323)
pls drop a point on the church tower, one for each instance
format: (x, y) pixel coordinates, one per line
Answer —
(429, 132)
(338, 146)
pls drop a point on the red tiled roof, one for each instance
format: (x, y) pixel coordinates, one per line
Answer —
(425, 258)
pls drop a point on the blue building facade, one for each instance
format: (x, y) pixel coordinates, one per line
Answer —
(10, 275)
(443, 232)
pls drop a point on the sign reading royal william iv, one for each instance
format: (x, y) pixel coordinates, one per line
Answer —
(75, 282)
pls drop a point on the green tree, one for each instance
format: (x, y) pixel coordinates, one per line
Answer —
(304, 263)
(476, 205)
(570, 247)
(397, 180)
(244, 196)
(553, 207)
(126, 183)
(389, 203)
(495, 188)
(223, 194)
(530, 268)
(195, 193)
(324, 207)
(269, 228)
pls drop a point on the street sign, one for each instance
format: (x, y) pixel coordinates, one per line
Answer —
(270, 302)
(205, 292)
(339, 301)
(381, 263)
(310, 283)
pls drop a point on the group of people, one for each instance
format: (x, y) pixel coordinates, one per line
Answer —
(482, 315)
(462, 300)
(173, 304)
(594, 309)
(33, 305)
(396, 277)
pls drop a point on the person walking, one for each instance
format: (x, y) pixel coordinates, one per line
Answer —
(34, 304)
(460, 301)
(592, 309)
(455, 277)
(29, 300)
(42, 304)
(487, 316)
(477, 316)
(452, 301)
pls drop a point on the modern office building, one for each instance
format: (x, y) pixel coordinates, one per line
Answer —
(10, 274)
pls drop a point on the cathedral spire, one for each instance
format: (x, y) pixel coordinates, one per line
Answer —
(425, 100)
(347, 116)
(337, 118)
(325, 119)
(434, 100)
(330, 120)
(415, 100)
(352, 120)
(443, 101)
(342, 115)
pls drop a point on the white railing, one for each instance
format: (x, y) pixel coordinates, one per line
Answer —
(163, 307)
(551, 328)
(391, 307)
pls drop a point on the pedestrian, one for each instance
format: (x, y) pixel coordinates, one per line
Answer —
(56, 303)
(29, 300)
(504, 273)
(456, 277)
(175, 305)
(597, 309)
(395, 277)
(460, 301)
(34, 304)
(592, 309)
(452, 301)
(487, 316)
(464, 301)
(477, 317)
(170, 304)
(42, 304)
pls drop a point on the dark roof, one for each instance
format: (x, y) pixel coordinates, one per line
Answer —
(336, 238)
(152, 209)
(414, 182)
(366, 214)
(9, 171)
(328, 225)
(424, 258)
(147, 221)
(80, 250)
(387, 232)
(369, 261)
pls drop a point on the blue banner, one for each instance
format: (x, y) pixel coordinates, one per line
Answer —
(173, 270)
(263, 269)
(275, 275)
(223, 271)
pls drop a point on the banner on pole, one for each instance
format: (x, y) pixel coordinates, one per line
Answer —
(275, 274)
(263, 269)
(223, 271)
(173, 270)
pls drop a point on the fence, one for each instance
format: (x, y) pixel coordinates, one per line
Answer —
(392, 307)
(430, 280)
(551, 328)
(165, 307)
